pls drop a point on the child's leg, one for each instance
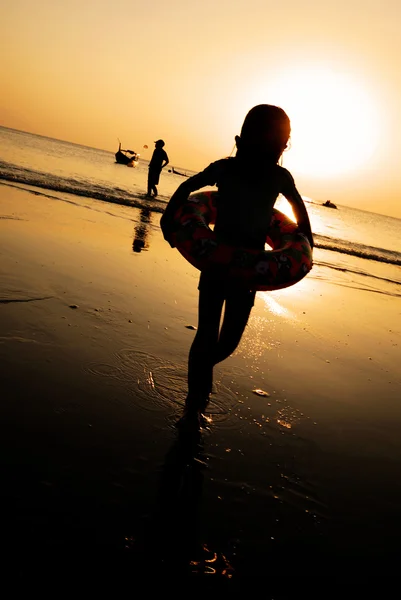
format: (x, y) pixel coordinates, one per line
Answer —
(237, 309)
(200, 362)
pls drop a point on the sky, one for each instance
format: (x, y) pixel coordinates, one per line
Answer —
(187, 71)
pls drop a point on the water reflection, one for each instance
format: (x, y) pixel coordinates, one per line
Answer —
(179, 500)
(142, 231)
(172, 541)
(274, 306)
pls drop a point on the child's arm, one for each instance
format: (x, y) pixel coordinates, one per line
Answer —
(180, 196)
(298, 206)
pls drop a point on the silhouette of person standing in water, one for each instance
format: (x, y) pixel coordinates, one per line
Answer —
(158, 161)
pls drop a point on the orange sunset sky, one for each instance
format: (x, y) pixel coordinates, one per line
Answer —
(187, 71)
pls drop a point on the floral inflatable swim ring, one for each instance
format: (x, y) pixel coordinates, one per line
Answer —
(289, 260)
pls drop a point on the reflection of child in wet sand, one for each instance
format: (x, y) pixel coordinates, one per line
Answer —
(248, 184)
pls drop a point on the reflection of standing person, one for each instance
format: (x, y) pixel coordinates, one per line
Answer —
(141, 231)
(158, 161)
(248, 186)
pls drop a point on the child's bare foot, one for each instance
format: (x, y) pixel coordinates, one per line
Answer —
(205, 421)
(193, 421)
(189, 422)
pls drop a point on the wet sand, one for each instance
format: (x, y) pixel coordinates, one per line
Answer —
(93, 346)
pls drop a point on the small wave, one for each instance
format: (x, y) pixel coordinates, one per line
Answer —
(46, 181)
(12, 174)
(355, 271)
(358, 250)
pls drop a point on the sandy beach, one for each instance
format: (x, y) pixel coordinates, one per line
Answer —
(94, 337)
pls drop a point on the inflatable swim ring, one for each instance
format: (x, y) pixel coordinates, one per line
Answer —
(287, 263)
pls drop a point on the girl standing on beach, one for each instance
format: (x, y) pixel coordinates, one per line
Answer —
(248, 185)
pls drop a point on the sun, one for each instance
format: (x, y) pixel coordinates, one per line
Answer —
(334, 121)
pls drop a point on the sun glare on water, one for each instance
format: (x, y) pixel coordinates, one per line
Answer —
(334, 122)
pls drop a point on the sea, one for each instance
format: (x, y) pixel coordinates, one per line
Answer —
(354, 247)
